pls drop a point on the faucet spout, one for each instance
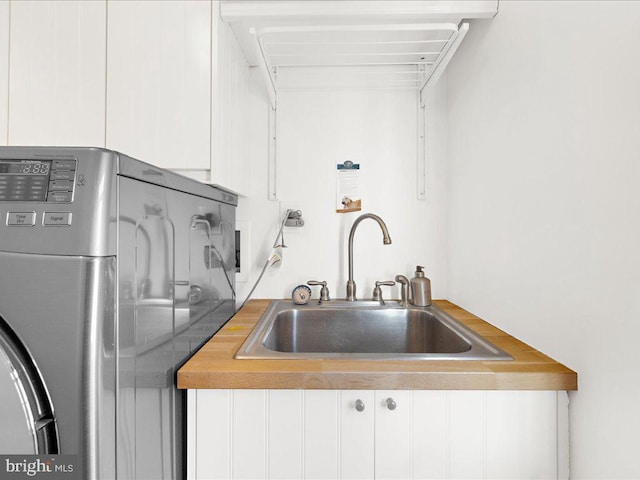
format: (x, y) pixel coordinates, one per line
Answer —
(386, 240)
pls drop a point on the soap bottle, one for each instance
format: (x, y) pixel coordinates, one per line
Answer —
(420, 288)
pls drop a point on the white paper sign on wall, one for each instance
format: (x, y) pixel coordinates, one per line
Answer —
(348, 197)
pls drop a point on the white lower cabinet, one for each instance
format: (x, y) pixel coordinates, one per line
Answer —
(376, 434)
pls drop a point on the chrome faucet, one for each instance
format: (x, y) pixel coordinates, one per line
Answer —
(351, 284)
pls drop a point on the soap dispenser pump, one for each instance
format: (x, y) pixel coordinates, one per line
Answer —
(420, 289)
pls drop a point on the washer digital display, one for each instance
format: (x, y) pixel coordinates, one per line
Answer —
(25, 167)
(37, 180)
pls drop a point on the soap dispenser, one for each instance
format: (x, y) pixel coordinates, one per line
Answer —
(420, 288)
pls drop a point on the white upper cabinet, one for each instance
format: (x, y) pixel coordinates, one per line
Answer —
(230, 104)
(4, 71)
(159, 82)
(56, 72)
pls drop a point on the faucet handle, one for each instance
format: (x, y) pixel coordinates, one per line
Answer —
(324, 291)
(377, 292)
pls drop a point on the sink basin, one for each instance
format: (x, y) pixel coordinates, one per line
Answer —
(364, 330)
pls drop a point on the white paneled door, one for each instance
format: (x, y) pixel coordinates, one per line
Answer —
(367, 434)
(230, 94)
(356, 434)
(321, 416)
(56, 72)
(159, 82)
(393, 434)
(4, 71)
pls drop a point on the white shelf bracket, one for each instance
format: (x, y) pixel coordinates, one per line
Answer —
(430, 80)
(445, 57)
(269, 77)
(268, 73)
(272, 163)
(421, 160)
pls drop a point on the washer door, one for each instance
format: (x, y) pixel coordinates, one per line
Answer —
(26, 415)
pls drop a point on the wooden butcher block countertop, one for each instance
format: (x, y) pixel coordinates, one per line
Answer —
(214, 366)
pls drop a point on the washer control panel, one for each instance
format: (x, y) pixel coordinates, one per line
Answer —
(29, 219)
(50, 181)
(28, 182)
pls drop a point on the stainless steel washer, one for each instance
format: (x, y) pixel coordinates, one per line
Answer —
(112, 273)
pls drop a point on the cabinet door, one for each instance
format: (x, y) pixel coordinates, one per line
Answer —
(430, 433)
(57, 73)
(4, 71)
(231, 120)
(357, 413)
(284, 434)
(393, 409)
(467, 434)
(159, 82)
(321, 433)
(210, 417)
(249, 440)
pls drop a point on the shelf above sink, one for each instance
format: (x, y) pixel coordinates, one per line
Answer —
(350, 55)
(338, 44)
(397, 44)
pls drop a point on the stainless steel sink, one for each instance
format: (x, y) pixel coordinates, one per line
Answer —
(367, 330)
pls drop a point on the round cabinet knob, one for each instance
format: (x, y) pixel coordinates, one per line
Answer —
(391, 404)
(359, 405)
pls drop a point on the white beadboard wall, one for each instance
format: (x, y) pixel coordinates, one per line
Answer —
(57, 74)
(544, 223)
(316, 130)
